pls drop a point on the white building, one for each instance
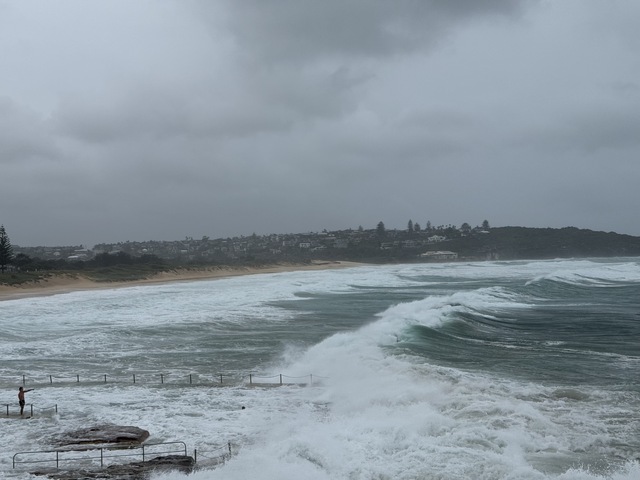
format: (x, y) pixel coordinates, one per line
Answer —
(440, 255)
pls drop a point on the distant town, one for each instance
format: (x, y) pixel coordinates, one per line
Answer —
(341, 244)
(377, 245)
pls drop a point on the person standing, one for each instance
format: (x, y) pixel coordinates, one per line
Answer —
(21, 400)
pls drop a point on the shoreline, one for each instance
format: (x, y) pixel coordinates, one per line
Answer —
(65, 283)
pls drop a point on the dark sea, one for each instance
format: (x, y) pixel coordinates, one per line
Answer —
(488, 370)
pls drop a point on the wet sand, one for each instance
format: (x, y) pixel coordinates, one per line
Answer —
(60, 284)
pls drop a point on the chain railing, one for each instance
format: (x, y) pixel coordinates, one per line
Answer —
(96, 456)
(11, 406)
(65, 459)
(253, 379)
(279, 379)
(216, 456)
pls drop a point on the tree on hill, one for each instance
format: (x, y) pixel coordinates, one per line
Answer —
(6, 251)
(109, 260)
(380, 230)
(22, 261)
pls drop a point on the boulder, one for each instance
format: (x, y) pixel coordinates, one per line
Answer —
(114, 437)
(102, 436)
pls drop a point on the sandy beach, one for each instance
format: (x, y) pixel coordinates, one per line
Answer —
(60, 284)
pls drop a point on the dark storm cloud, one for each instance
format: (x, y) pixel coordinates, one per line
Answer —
(156, 120)
(256, 102)
(306, 30)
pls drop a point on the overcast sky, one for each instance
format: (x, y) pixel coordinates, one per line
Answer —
(159, 119)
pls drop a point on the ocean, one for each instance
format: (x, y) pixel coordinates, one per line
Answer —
(487, 370)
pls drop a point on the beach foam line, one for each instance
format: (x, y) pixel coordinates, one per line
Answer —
(66, 283)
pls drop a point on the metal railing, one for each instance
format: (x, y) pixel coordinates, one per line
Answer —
(161, 378)
(11, 406)
(168, 379)
(279, 379)
(219, 455)
(58, 457)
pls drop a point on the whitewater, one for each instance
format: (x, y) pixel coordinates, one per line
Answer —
(482, 370)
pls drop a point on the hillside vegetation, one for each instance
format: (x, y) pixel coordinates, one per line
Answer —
(133, 261)
(519, 243)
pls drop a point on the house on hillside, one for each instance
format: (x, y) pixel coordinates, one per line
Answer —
(436, 239)
(440, 255)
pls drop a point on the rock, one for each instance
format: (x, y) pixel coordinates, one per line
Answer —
(114, 437)
(129, 471)
(102, 436)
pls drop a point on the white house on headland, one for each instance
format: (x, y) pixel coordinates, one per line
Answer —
(440, 255)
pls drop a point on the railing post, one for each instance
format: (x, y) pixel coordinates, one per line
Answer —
(31, 405)
(101, 458)
(134, 378)
(161, 378)
(105, 378)
(56, 407)
(78, 378)
(280, 379)
(58, 460)
(24, 380)
(220, 379)
(7, 409)
(190, 380)
(50, 379)
(143, 453)
(229, 445)
(250, 379)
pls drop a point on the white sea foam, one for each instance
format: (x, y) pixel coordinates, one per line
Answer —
(591, 273)
(371, 412)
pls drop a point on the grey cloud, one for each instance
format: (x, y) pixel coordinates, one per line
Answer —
(244, 104)
(274, 116)
(304, 30)
(23, 133)
(624, 89)
(96, 121)
(588, 131)
(607, 130)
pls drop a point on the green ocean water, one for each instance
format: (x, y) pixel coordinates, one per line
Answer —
(488, 370)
